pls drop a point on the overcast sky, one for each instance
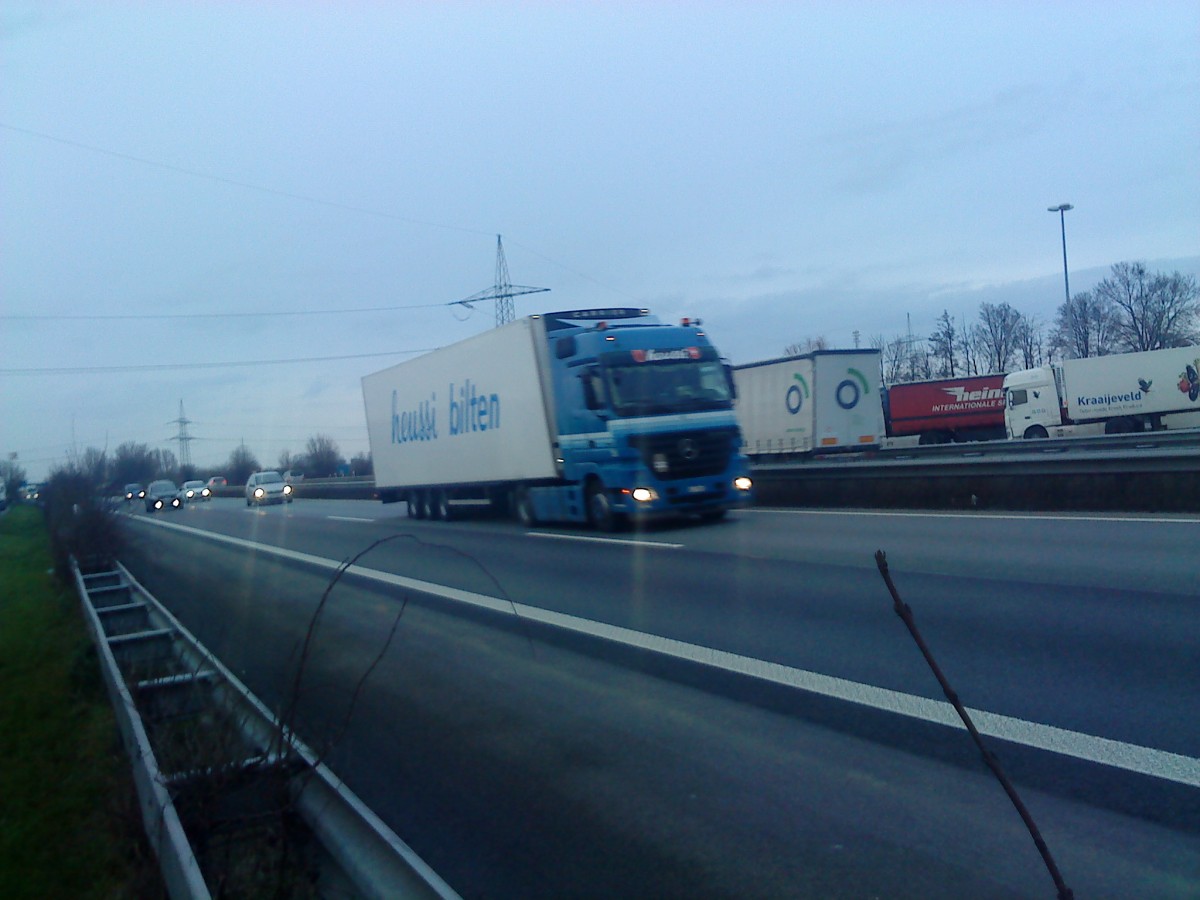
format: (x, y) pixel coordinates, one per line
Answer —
(782, 170)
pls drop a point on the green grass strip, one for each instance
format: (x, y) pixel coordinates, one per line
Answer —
(68, 817)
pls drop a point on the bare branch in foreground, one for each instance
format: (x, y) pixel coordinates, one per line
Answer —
(903, 610)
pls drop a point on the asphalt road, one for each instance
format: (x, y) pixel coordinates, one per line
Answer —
(527, 760)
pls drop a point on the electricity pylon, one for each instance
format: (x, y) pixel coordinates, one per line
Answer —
(502, 291)
(185, 439)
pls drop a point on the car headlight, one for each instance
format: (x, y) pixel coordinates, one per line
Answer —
(129, 495)
(259, 493)
(743, 483)
(175, 502)
(644, 494)
(141, 495)
(287, 488)
(205, 492)
(158, 504)
(191, 494)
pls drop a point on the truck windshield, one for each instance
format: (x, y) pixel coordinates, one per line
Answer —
(643, 389)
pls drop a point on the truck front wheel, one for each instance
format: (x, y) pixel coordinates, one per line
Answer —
(523, 503)
(599, 507)
(1035, 432)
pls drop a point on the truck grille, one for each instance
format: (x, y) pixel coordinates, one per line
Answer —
(688, 454)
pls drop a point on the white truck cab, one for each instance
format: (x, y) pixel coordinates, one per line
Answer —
(1031, 407)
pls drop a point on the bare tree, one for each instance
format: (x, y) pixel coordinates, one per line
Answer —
(893, 356)
(1031, 342)
(13, 476)
(1084, 327)
(808, 345)
(166, 464)
(133, 463)
(997, 335)
(943, 345)
(241, 465)
(322, 455)
(91, 465)
(362, 464)
(970, 355)
(1152, 311)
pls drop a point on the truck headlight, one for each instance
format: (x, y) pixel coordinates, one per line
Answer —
(644, 495)
(659, 463)
(743, 483)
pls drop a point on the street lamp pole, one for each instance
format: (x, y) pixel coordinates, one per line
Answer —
(1061, 209)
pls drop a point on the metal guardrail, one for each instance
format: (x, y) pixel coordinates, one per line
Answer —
(153, 667)
(951, 474)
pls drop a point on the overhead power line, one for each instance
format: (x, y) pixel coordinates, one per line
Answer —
(88, 317)
(248, 185)
(305, 198)
(81, 370)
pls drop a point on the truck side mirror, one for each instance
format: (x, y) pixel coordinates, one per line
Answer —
(729, 378)
(591, 398)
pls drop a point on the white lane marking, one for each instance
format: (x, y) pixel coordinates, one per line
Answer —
(1169, 766)
(659, 545)
(350, 519)
(949, 515)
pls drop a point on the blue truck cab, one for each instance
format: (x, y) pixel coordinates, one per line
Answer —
(645, 422)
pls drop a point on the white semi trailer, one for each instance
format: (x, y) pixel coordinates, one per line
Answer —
(601, 416)
(827, 401)
(1124, 392)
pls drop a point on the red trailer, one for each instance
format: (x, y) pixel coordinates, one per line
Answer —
(949, 409)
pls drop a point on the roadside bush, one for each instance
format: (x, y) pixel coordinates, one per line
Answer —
(80, 522)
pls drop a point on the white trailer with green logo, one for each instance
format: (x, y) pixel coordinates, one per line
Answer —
(827, 401)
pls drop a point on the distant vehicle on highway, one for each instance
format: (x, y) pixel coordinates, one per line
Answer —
(162, 494)
(267, 487)
(215, 482)
(194, 490)
(134, 492)
(31, 492)
(293, 476)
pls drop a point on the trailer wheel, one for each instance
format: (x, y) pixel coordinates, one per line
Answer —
(599, 508)
(418, 505)
(523, 505)
(439, 506)
(1123, 425)
(1035, 432)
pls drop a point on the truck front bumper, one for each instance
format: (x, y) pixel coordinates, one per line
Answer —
(651, 498)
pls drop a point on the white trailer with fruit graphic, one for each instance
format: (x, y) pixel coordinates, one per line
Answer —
(1124, 392)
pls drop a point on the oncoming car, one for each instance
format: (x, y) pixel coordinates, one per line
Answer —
(194, 490)
(134, 492)
(162, 494)
(267, 487)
